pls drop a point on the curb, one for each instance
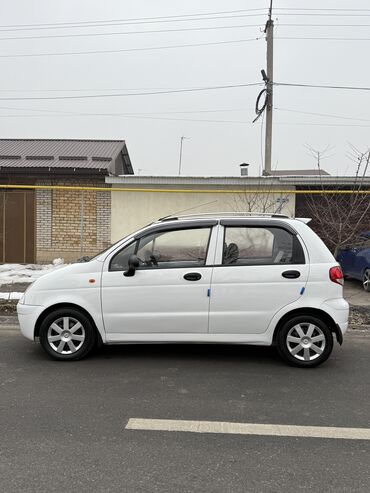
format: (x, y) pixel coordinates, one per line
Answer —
(7, 328)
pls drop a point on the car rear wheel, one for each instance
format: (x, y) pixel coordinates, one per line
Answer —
(67, 334)
(305, 341)
(366, 280)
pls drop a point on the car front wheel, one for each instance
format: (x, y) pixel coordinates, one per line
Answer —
(366, 280)
(67, 334)
(305, 341)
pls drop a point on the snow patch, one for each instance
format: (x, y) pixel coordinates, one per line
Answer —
(19, 273)
(11, 296)
(58, 261)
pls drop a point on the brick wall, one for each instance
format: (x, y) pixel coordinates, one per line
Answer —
(71, 223)
(44, 218)
(103, 219)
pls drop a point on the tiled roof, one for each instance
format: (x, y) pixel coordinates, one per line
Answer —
(55, 153)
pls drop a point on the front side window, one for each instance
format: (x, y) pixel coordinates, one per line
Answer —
(261, 246)
(167, 249)
(120, 260)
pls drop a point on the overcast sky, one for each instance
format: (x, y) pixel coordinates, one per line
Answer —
(218, 123)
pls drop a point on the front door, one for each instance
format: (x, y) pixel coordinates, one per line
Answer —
(169, 292)
(262, 269)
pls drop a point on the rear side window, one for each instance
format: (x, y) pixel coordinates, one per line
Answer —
(261, 246)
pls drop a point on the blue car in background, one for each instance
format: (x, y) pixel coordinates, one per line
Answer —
(355, 260)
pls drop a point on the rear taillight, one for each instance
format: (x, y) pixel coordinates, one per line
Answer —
(336, 275)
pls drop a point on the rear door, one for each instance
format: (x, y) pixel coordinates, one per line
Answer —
(261, 268)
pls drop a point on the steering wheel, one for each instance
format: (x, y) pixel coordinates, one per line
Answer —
(154, 260)
(150, 259)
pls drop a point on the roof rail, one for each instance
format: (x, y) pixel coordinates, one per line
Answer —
(223, 214)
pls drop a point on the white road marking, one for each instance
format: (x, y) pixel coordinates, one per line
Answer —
(248, 429)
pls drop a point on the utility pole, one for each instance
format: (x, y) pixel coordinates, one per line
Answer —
(180, 158)
(269, 30)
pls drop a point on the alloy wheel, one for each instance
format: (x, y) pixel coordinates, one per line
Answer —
(305, 341)
(66, 335)
(366, 280)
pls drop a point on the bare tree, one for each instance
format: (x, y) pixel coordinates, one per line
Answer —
(338, 218)
(261, 198)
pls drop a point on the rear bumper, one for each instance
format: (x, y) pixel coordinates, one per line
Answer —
(338, 309)
(340, 331)
(27, 316)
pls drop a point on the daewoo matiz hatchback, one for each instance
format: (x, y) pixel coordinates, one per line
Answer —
(220, 278)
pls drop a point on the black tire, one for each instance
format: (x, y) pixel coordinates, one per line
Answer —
(366, 280)
(295, 349)
(82, 334)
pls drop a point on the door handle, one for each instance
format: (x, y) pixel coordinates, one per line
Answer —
(193, 276)
(291, 274)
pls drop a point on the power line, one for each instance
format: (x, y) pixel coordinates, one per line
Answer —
(194, 120)
(100, 21)
(128, 50)
(316, 38)
(320, 114)
(322, 14)
(202, 111)
(91, 90)
(123, 23)
(351, 88)
(82, 35)
(133, 113)
(140, 117)
(321, 25)
(174, 91)
(149, 115)
(323, 124)
(88, 96)
(324, 9)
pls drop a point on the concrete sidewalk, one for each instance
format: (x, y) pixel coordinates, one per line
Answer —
(355, 294)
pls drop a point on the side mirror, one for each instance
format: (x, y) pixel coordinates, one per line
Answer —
(133, 264)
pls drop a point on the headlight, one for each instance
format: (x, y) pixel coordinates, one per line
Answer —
(21, 299)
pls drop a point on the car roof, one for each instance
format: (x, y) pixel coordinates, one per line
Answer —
(222, 215)
(224, 219)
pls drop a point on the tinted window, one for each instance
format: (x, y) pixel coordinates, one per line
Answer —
(120, 260)
(180, 248)
(261, 246)
(167, 249)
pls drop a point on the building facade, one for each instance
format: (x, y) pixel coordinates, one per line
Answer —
(40, 223)
(140, 200)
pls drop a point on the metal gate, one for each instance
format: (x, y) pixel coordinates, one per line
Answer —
(17, 226)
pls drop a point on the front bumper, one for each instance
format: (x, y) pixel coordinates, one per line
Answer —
(27, 316)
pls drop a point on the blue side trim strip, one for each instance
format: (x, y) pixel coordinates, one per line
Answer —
(302, 291)
(209, 292)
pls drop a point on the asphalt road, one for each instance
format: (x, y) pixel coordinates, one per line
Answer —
(62, 425)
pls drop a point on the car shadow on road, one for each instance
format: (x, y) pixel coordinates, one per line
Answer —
(204, 353)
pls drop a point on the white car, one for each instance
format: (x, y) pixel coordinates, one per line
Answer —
(217, 278)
